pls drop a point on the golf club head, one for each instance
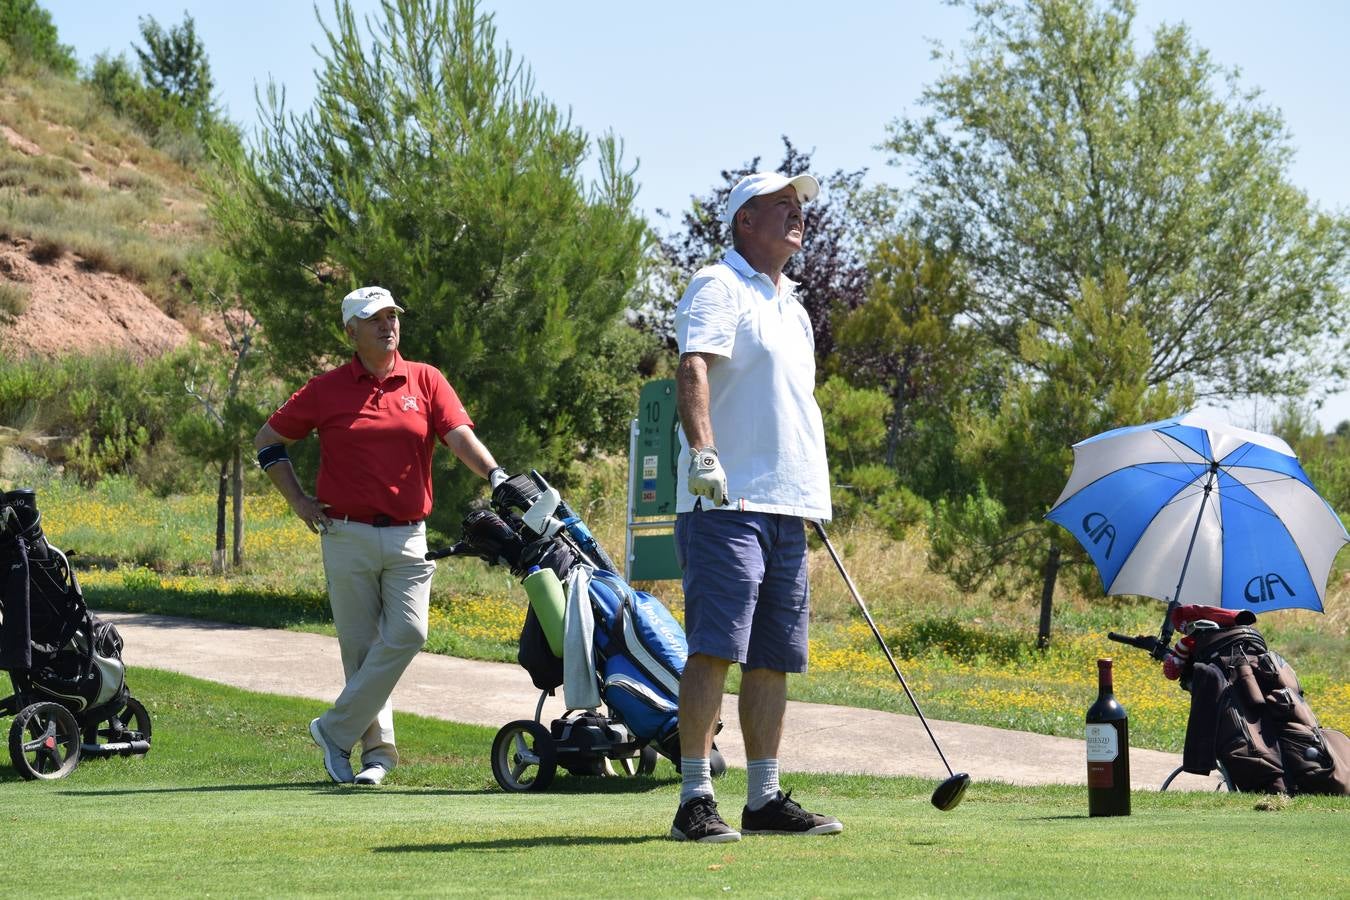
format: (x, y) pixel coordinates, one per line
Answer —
(948, 794)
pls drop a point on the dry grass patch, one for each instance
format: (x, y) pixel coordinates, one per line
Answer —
(13, 300)
(96, 188)
(46, 250)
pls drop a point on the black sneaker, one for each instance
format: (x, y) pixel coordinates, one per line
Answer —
(783, 815)
(697, 820)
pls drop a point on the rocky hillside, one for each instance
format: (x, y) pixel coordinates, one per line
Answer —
(96, 227)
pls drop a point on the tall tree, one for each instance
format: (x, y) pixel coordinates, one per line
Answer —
(168, 93)
(28, 29)
(830, 270)
(1133, 244)
(174, 64)
(430, 165)
(909, 340)
(1091, 374)
(1054, 153)
(221, 381)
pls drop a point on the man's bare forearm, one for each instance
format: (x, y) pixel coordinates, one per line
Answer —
(691, 399)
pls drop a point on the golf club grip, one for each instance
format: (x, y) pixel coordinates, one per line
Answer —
(440, 553)
(1145, 642)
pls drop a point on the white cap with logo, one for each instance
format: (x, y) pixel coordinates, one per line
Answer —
(365, 302)
(761, 183)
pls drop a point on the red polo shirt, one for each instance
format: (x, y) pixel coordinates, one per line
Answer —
(375, 437)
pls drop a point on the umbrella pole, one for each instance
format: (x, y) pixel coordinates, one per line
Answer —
(1165, 635)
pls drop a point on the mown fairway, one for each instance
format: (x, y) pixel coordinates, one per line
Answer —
(969, 658)
(232, 801)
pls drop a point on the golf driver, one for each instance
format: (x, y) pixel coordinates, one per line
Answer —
(949, 793)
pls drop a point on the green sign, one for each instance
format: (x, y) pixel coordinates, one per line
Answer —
(653, 558)
(657, 450)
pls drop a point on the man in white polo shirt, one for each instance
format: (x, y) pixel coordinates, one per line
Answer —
(756, 445)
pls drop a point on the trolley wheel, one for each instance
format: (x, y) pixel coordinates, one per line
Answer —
(647, 760)
(44, 741)
(524, 757)
(1224, 783)
(642, 764)
(129, 724)
(717, 762)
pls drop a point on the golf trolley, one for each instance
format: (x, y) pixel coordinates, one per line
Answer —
(526, 754)
(1249, 719)
(70, 698)
(630, 660)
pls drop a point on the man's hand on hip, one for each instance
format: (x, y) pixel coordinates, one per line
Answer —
(707, 478)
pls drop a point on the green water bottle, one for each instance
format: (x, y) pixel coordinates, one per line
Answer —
(546, 599)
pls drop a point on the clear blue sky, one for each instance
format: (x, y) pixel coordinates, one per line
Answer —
(693, 87)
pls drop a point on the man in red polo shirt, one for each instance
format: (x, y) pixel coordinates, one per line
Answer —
(378, 418)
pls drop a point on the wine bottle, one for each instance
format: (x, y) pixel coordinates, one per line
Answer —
(1108, 750)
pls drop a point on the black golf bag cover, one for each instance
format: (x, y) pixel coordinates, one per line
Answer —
(49, 642)
(516, 495)
(492, 539)
(1248, 712)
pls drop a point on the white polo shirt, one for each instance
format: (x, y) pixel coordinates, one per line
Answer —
(762, 402)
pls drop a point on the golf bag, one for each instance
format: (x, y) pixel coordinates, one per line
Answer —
(1248, 713)
(57, 654)
(636, 650)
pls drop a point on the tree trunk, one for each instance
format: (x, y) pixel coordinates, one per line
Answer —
(237, 485)
(893, 439)
(222, 493)
(1051, 572)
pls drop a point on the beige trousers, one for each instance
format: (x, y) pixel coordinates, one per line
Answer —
(379, 586)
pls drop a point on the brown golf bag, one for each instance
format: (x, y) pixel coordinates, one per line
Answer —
(1248, 714)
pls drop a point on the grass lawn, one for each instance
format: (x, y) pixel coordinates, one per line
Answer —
(232, 801)
(968, 657)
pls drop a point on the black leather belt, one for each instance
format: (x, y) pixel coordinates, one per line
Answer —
(380, 521)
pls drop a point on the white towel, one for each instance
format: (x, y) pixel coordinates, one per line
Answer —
(580, 687)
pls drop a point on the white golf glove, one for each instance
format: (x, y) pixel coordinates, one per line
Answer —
(496, 477)
(707, 478)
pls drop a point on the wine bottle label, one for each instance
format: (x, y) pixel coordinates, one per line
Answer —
(1102, 744)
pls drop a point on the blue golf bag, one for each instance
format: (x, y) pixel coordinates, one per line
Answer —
(639, 656)
(613, 645)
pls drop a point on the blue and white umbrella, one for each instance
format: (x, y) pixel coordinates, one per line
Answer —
(1190, 510)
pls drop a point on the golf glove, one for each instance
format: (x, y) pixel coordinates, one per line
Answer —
(496, 477)
(707, 478)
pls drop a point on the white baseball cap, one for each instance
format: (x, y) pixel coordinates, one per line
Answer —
(768, 183)
(365, 302)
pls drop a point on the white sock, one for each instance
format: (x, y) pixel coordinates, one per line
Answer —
(762, 782)
(695, 778)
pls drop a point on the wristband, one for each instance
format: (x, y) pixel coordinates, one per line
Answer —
(272, 454)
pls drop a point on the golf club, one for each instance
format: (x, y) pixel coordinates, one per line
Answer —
(948, 794)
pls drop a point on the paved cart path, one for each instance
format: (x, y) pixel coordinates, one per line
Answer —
(818, 737)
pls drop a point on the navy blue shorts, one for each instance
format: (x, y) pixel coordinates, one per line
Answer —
(746, 596)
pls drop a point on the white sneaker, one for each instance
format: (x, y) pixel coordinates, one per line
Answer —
(372, 774)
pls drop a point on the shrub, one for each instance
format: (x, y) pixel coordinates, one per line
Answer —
(28, 29)
(951, 637)
(13, 300)
(46, 250)
(96, 257)
(108, 410)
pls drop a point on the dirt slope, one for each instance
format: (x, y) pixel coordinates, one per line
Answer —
(72, 310)
(96, 227)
